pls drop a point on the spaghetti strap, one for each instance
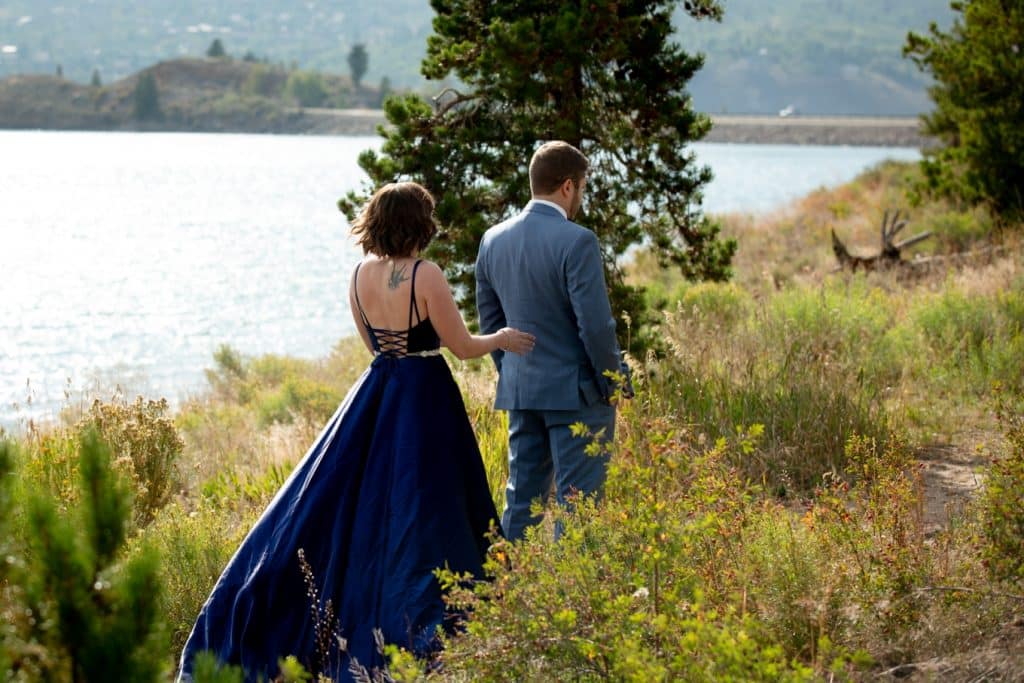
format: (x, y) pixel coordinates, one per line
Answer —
(363, 314)
(412, 295)
(355, 290)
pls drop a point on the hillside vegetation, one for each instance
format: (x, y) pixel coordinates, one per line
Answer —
(197, 94)
(821, 478)
(838, 57)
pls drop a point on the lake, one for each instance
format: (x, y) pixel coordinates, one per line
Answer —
(128, 258)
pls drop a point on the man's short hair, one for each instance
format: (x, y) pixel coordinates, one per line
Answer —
(554, 163)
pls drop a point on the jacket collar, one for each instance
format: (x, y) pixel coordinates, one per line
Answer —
(546, 207)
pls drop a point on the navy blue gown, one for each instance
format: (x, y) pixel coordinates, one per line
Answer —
(393, 488)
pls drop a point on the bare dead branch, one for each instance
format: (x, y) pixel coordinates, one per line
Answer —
(459, 98)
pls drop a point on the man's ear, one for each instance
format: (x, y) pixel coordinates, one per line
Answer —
(567, 187)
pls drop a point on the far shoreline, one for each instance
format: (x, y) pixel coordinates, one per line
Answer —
(758, 129)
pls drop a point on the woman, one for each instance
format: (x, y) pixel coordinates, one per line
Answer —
(392, 489)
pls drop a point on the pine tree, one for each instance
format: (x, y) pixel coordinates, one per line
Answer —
(978, 67)
(96, 82)
(147, 98)
(100, 610)
(358, 62)
(216, 49)
(604, 76)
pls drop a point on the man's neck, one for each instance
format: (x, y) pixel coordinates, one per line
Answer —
(548, 202)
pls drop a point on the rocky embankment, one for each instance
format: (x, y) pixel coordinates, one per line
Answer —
(791, 130)
(819, 130)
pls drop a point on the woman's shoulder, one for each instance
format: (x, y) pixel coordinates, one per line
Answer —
(430, 274)
(367, 260)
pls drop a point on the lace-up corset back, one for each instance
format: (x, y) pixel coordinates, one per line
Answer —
(415, 339)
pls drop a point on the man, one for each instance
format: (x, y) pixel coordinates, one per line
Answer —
(543, 274)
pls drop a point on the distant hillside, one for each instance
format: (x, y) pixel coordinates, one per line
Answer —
(821, 56)
(193, 94)
(120, 37)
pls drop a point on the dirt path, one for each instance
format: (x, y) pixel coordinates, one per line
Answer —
(950, 479)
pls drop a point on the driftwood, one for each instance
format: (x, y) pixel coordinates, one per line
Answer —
(890, 255)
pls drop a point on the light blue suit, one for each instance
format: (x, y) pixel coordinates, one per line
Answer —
(543, 274)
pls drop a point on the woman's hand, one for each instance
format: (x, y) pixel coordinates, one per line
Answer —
(515, 341)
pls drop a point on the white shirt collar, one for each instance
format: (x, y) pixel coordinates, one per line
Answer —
(551, 204)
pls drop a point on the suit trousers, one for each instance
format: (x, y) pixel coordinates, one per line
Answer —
(542, 451)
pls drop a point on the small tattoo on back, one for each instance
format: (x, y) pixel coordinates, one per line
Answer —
(397, 277)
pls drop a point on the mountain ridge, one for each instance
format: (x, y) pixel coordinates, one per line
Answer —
(818, 56)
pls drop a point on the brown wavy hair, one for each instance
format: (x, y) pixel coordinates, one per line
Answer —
(398, 220)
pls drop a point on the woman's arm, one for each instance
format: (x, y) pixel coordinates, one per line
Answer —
(447, 321)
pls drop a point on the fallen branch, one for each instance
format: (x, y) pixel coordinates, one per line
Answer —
(891, 250)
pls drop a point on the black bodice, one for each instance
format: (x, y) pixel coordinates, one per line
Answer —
(415, 339)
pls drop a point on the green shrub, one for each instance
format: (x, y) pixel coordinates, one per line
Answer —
(264, 80)
(196, 545)
(306, 88)
(298, 397)
(1002, 504)
(206, 669)
(873, 530)
(277, 388)
(842, 325)
(786, 575)
(722, 303)
(975, 341)
(100, 614)
(50, 465)
(961, 230)
(622, 594)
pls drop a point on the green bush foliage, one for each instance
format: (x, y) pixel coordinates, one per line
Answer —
(196, 545)
(277, 388)
(623, 594)
(265, 81)
(976, 341)
(206, 669)
(306, 88)
(49, 463)
(1003, 507)
(94, 613)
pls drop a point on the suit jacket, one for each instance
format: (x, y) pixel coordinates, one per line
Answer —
(542, 273)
